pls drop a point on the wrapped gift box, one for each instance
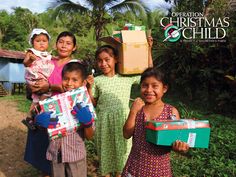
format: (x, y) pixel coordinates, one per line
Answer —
(133, 27)
(62, 104)
(194, 132)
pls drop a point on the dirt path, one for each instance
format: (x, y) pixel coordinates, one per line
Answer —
(12, 144)
(12, 140)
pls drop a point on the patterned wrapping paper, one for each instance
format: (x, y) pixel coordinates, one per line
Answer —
(194, 132)
(133, 27)
(62, 104)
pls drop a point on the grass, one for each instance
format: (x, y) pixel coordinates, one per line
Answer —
(23, 103)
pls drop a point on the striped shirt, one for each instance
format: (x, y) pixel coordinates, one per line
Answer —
(72, 147)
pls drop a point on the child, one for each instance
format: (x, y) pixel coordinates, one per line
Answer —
(38, 61)
(111, 93)
(38, 66)
(68, 154)
(147, 159)
(37, 140)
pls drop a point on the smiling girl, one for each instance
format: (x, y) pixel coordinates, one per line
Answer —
(147, 159)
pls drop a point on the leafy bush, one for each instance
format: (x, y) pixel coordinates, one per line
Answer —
(219, 159)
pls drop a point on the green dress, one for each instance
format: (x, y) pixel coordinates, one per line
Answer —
(112, 94)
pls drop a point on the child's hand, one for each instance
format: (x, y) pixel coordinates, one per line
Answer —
(83, 114)
(31, 56)
(137, 105)
(90, 81)
(41, 86)
(150, 41)
(46, 120)
(180, 146)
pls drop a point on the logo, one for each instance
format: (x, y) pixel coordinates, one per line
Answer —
(172, 33)
(194, 27)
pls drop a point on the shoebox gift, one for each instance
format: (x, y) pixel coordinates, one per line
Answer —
(133, 50)
(62, 104)
(196, 133)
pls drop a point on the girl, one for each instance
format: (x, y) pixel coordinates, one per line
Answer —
(147, 159)
(37, 141)
(111, 93)
(38, 66)
(38, 61)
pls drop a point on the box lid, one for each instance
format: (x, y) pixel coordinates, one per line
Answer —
(177, 124)
(127, 37)
(110, 40)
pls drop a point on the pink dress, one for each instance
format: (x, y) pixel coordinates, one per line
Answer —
(147, 159)
(41, 68)
(56, 76)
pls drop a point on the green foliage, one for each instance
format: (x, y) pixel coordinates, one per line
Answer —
(197, 70)
(16, 28)
(4, 21)
(98, 13)
(219, 159)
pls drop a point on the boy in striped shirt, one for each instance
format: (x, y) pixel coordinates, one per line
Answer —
(68, 154)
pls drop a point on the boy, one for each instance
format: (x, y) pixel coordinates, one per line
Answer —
(68, 154)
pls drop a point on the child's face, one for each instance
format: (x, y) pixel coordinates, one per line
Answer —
(106, 63)
(40, 42)
(72, 80)
(65, 46)
(152, 90)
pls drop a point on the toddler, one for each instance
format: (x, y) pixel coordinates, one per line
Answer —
(38, 66)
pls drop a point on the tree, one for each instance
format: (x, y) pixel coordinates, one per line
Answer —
(19, 25)
(100, 12)
(4, 21)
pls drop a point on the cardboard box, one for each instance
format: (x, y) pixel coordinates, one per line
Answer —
(133, 50)
(194, 132)
(62, 104)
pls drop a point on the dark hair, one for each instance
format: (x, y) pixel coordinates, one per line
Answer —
(35, 35)
(157, 73)
(75, 66)
(108, 49)
(67, 33)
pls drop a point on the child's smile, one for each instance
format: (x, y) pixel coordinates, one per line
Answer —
(107, 64)
(152, 90)
(72, 80)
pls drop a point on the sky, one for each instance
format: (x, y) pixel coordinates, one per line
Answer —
(39, 6)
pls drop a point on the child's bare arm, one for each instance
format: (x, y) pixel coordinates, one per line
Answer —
(176, 113)
(128, 128)
(44, 86)
(150, 43)
(88, 133)
(29, 58)
(90, 81)
(56, 88)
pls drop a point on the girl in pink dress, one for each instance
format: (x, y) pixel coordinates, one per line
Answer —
(147, 159)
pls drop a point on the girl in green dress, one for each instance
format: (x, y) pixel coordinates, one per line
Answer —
(111, 94)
